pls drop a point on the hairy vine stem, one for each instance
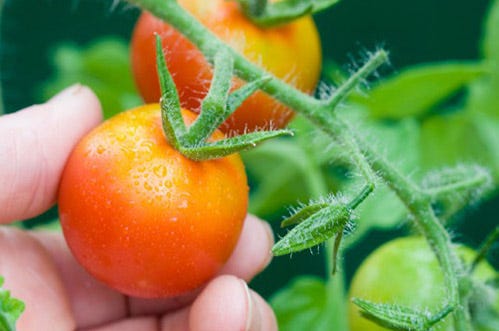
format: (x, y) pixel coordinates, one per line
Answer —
(320, 112)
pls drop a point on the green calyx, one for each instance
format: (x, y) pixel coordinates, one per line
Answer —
(267, 13)
(193, 142)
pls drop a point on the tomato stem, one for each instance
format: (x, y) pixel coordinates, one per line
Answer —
(214, 105)
(364, 193)
(378, 59)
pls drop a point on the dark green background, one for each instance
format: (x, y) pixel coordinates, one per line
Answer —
(413, 31)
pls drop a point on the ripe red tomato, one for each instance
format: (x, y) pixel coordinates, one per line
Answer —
(291, 52)
(405, 271)
(141, 217)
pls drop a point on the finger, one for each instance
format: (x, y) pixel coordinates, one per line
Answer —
(92, 302)
(225, 304)
(31, 277)
(141, 306)
(262, 317)
(35, 145)
(129, 324)
(252, 253)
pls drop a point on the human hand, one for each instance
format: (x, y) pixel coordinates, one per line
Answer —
(39, 269)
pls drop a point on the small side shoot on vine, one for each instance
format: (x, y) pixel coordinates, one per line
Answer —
(452, 189)
(400, 318)
(194, 142)
(375, 60)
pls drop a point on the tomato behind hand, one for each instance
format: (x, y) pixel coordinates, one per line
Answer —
(141, 217)
(405, 271)
(291, 52)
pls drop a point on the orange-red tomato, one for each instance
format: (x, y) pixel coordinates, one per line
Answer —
(291, 52)
(141, 217)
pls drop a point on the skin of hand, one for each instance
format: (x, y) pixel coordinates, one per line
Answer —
(39, 269)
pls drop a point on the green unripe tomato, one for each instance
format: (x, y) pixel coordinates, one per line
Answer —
(406, 272)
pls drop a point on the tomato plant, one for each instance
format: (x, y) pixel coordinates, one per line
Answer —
(406, 272)
(408, 124)
(141, 217)
(291, 52)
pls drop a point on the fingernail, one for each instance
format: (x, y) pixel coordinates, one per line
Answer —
(253, 322)
(68, 92)
(270, 236)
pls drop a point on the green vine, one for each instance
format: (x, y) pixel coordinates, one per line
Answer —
(320, 221)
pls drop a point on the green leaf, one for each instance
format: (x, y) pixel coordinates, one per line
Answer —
(224, 147)
(372, 213)
(488, 130)
(284, 173)
(483, 93)
(305, 305)
(400, 318)
(104, 65)
(320, 5)
(171, 117)
(452, 189)
(482, 96)
(487, 320)
(447, 140)
(398, 142)
(459, 138)
(10, 309)
(414, 91)
(490, 43)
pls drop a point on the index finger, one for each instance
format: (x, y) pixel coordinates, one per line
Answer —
(35, 145)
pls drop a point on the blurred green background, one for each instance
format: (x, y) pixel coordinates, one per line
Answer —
(413, 32)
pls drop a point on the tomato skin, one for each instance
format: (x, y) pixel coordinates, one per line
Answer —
(405, 271)
(141, 217)
(291, 52)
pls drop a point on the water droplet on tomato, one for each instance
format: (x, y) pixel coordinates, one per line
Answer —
(183, 204)
(147, 186)
(160, 170)
(121, 136)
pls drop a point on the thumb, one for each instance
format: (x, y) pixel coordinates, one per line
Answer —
(34, 146)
